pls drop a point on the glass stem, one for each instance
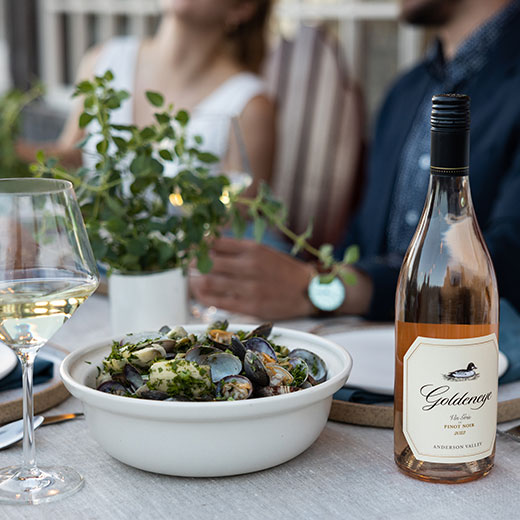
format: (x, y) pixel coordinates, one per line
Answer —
(29, 450)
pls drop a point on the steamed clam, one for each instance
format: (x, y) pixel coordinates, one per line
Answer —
(236, 388)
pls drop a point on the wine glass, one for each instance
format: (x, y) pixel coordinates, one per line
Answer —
(47, 270)
(221, 135)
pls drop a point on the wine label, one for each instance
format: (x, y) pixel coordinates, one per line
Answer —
(450, 398)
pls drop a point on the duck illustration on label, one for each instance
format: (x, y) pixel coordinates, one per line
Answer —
(463, 374)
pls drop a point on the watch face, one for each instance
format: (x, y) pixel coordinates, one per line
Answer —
(326, 296)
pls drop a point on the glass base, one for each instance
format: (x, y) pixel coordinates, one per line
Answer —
(208, 314)
(38, 486)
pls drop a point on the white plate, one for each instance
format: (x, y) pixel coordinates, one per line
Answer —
(372, 350)
(8, 360)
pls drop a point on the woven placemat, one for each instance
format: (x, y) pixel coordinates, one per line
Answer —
(50, 395)
(381, 416)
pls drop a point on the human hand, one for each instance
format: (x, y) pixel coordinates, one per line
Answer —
(250, 278)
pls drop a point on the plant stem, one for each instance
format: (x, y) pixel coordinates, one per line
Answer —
(280, 225)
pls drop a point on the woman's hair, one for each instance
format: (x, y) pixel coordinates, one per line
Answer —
(248, 39)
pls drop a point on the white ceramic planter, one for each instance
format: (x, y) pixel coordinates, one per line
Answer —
(147, 301)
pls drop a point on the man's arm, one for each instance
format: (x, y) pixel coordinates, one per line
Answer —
(502, 233)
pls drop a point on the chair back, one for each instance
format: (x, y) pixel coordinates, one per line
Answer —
(318, 163)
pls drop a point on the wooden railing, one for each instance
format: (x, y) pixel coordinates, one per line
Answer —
(69, 27)
(4, 58)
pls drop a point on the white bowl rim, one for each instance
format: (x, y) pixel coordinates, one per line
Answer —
(204, 411)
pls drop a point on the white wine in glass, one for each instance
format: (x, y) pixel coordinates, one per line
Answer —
(47, 270)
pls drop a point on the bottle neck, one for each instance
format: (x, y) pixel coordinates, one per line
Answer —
(450, 195)
(449, 183)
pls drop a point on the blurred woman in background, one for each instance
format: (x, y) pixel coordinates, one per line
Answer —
(205, 58)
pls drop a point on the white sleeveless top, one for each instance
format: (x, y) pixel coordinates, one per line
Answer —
(211, 117)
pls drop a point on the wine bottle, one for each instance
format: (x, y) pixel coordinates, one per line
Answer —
(447, 307)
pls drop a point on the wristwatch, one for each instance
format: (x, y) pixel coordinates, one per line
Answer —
(326, 297)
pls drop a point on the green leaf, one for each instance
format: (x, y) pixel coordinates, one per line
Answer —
(326, 278)
(85, 87)
(89, 102)
(198, 139)
(259, 226)
(207, 157)
(137, 246)
(116, 225)
(348, 277)
(239, 225)
(122, 128)
(179, 149)
(102, 146)
(156, 99)
(147, 133)
(113, 102)
(166, 155)
(85, 119)
(139, 185)
(40, 156)
(182, 117)
(162, 118)
(122, 95)
(326, 255)
(99, 248)
(351, 255)
(166, 252)
(130, 263)
(120, 143)
(115, 206)
(204, 262)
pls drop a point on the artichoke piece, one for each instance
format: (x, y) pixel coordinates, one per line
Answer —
(144, 357)
(179, 377)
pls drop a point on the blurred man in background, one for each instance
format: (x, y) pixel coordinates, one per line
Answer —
(476, 52)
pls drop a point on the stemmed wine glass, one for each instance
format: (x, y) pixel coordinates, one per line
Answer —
(223, 136)
(47, 270)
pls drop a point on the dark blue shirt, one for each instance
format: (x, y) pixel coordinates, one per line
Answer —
(489, 73)
(414, 163)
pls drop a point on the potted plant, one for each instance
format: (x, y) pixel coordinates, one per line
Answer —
(147, 228)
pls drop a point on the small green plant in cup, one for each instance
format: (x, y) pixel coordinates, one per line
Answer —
(141, 220)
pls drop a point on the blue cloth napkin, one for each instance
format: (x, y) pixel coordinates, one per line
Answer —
(509, 341)
(43, 372)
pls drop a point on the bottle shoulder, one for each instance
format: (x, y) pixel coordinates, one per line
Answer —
(447, 275)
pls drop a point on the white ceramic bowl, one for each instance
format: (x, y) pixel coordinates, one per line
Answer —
(207, 439)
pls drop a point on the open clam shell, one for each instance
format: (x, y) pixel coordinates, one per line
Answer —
(254, 368)
(317, 367)
(223, 365)
(234, 387)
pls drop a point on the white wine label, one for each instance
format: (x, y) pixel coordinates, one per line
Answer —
(450, 398)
